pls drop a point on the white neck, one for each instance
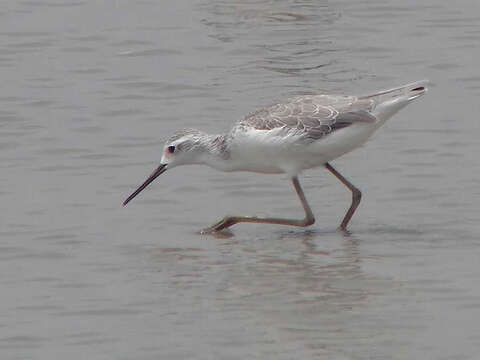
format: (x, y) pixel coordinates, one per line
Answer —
(216, 152)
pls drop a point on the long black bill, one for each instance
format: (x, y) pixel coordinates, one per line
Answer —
(152, 177)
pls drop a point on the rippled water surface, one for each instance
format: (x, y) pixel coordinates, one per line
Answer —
(90, 90)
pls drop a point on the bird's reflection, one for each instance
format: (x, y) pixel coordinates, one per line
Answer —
(309, 267)
(303, 285)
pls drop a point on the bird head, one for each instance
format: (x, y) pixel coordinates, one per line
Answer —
(182, 148)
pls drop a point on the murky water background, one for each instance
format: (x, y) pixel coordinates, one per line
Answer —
(90, 90)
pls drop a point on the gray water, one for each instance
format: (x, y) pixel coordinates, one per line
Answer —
(90, 90)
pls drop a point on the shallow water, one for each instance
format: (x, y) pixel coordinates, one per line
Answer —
(92, 89)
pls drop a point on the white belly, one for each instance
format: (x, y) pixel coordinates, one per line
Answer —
(264, 152)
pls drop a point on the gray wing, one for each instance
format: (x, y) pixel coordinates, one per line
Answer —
(313, 116)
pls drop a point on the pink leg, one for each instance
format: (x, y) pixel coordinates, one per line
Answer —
(356, 195)
(232, 220)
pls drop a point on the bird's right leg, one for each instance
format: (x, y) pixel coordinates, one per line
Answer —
(232, 220)
(356, 195)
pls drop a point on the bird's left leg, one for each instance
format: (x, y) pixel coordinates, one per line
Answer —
(232, 220)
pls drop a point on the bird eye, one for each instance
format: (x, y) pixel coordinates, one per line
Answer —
(171, 149)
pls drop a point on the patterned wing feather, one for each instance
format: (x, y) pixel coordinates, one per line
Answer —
(312, 117)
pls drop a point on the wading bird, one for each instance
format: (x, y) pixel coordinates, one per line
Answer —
(287, 138)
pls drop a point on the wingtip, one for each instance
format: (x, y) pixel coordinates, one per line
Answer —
(419, 85)
(418, 88)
